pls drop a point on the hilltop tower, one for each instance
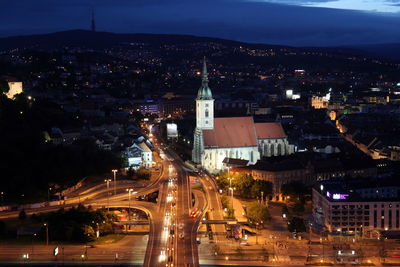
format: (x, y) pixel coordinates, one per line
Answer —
(93, 22)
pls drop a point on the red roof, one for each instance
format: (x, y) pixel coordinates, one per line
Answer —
(269, 130)
(231, 132)
(240, 132)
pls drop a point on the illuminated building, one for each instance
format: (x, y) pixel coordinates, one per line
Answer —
(299, 75)
(364, 207)
(232, 137)
(15, 88)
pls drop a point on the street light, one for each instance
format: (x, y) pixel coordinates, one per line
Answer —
(231, 189)
(108, 193)
(130, 191)
(115, 181)
(47, 233)
(48, 194)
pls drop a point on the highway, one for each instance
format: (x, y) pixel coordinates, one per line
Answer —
(173, 232)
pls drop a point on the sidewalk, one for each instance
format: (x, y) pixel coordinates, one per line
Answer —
(239, 211)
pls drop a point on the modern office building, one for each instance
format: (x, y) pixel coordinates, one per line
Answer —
(361, 206)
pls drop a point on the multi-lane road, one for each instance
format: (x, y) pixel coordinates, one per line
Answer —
(173, 231)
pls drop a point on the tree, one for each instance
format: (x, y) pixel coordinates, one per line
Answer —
(88, 233)
(261, 186)
(130, 172)
(243, 184)
(4, 88)
(257, 212)
(295, 190)
(296, 224)
(227, 204)
(142, 173)
(298, 206)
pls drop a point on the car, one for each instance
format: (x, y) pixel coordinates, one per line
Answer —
(193, 213)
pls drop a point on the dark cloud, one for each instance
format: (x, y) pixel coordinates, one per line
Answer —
(231, 19)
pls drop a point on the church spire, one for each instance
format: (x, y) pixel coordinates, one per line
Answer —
(204, 91)
(204, 75)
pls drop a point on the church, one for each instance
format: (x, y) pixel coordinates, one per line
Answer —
(217, 139)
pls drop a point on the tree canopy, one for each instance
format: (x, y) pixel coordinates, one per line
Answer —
(4, 88)
(245, 185)
(257, 212)
(295, 189)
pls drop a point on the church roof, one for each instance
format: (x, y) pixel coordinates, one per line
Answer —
(267, 130)
(240, 132)
(231, 132)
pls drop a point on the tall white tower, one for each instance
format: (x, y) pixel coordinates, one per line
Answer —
(204, 115)
(204, 103)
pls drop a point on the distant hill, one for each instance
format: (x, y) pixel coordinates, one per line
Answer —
(390, 51)
(105, 39)
(98, 40)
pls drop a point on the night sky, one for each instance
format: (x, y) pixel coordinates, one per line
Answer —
(290, 22)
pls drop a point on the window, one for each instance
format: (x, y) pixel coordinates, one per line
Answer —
(206, 105)
(207, 113)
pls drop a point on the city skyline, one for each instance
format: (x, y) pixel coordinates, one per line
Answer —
(184, 147)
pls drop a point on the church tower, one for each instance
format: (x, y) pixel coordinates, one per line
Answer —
(204, 103)
(204, 115)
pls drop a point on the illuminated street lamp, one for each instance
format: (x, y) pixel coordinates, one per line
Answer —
(115, 181)
(231, 189)
(47, 233)
(130, 192)
(108, 193)
(48, 194)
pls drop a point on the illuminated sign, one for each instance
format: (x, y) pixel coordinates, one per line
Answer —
(340, 196)
(337, 196)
